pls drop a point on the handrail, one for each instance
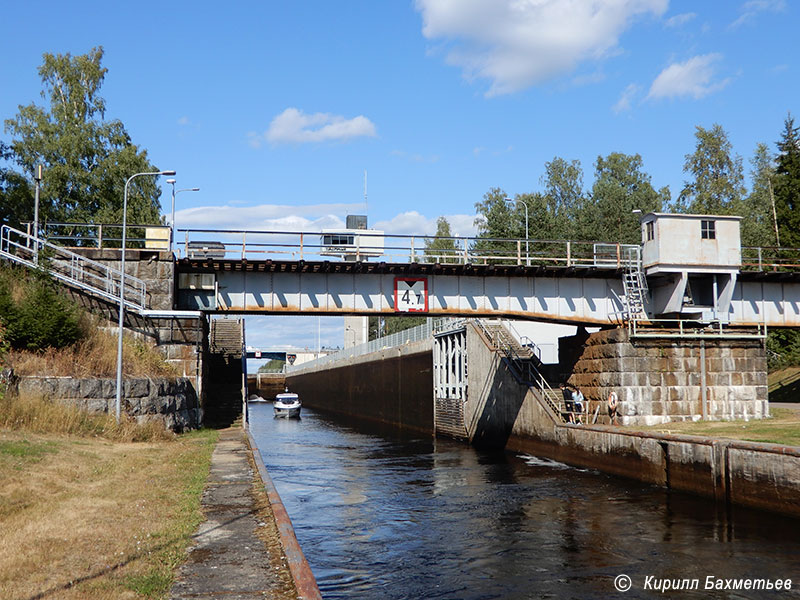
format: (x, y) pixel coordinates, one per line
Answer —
(692, 329)
(71, 268)
(521, 367)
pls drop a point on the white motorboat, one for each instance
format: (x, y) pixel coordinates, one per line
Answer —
(255, 398)
(287, 405)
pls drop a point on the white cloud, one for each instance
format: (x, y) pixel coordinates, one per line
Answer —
(265, 217)
(625, 99)
(694, 78)
(518, 43)
(413, 223)
(680, 19)
(295, 126)
(752, 8)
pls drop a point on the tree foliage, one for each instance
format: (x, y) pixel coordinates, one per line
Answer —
(620, 187)
(716, 185)
(787, 185)
(441, 248)
(758, 224)
(86, 158)
(35, 313)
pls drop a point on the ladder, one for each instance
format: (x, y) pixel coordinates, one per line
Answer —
(634, 284)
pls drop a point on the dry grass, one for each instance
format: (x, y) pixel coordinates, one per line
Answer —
(87, 518)
(39, 415)
(93, 356)
(783, 427)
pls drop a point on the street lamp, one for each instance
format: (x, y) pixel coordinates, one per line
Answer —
(172, 222)
(122, 283)
(516, 203)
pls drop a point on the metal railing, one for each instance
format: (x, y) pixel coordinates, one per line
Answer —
(691, 329)
(293, 245)
(401, 338)
(71, 268)
(522, 367)
(307, 245)
(105, 235)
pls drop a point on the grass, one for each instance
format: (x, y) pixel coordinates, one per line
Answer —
(88, 513)
(783, 427)
(95, 355)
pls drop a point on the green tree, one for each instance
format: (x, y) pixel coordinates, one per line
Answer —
(86, 158)
(383, 326)
(717, 177)
(496, 221)
(758, 225)
(786, 185)
(442, 248)
(620, 187)
(16, 195)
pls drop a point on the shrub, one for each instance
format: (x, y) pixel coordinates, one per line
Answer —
(35, 315)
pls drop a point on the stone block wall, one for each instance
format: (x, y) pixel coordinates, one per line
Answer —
(659, 380)
(171, 401)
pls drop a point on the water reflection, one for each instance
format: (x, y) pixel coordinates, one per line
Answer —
(382, 515)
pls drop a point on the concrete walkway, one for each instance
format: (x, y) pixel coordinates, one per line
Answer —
(238, 554)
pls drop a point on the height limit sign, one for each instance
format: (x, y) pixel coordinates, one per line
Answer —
(410, 294)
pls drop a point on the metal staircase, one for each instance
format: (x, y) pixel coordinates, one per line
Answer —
(523, 364)
(634, 284)
(71, 268)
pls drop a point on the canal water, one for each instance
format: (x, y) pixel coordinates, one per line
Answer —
(381, 515)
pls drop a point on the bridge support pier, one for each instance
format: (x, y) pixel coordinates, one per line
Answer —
(661, 380)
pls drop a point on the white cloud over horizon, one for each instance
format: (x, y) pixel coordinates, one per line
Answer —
(516, 44)
(694, 78)
(293, 126)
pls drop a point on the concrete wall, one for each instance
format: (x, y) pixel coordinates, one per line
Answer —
(171, 401)
(393, 386)
(662, 380)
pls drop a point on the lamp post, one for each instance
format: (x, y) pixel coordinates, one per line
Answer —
(516, 203)
(172, 221)
(122, 283)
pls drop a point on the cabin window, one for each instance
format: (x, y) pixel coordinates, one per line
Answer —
(649, 231)
(708, 230)
(337, 240)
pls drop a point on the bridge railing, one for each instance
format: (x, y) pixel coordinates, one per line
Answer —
(401, 338)
(294, 245)
(770, 259)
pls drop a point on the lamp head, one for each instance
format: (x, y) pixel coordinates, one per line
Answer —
(167, 173)
(172, 181)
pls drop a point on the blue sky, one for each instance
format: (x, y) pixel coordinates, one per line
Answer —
(275, 109)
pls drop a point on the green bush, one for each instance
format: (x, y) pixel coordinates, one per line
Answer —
(34, 313)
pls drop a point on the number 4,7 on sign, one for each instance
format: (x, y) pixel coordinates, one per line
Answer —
(410, 294)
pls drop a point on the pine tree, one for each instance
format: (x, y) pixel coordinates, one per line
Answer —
(786, 185)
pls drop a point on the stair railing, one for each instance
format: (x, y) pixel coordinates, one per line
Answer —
(522, 367)
(71, 268)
